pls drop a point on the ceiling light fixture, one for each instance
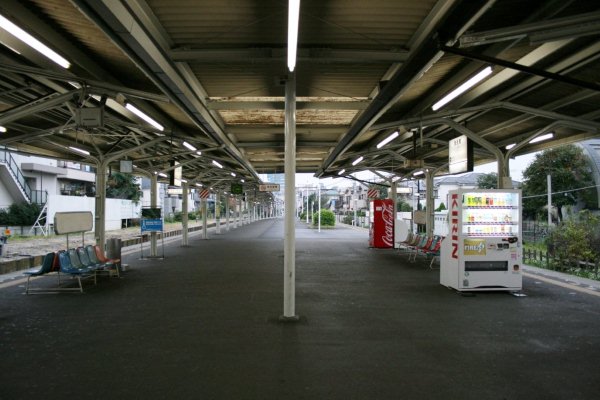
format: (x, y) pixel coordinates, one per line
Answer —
(241, 180)
(163, 175)
(510, 146)
(189, 146)
(143, 116)
(293, 21)
(341, 172)
(199, 184)
(33, 42)
(358, 160)
(474, 80)
(199, 153)
(217, 164)
(233, 174)
(2, 129)
(77, 149)
(387, 139)
(542, 138)
(418, 173)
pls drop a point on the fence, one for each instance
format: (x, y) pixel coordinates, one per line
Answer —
(549, 261)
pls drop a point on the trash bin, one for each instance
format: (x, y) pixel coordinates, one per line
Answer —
(3, 240)
(113, 249)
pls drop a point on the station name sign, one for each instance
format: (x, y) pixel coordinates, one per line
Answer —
(269, 187)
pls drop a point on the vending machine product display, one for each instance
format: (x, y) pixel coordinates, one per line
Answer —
(483, 250)
(381, 230)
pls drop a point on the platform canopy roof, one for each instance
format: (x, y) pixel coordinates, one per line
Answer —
(212, 73)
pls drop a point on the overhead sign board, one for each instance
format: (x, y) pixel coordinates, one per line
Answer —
(460, 155)
(237, 188)
(269, 187)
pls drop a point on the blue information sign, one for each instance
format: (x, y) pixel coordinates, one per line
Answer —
(152, 225)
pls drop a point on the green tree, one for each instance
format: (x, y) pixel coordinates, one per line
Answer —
(487, 181)
(570, 170)
(403, 206)
(123, 186)
(441, 207)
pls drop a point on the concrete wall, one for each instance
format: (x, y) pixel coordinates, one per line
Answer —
(5, 198)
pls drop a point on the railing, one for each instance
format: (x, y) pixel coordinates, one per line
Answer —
(34, 196)
(546, 260)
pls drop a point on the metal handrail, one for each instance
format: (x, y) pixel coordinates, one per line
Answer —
(34, 196)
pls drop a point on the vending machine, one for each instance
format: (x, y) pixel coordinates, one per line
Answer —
(381, 229)
(483, 249)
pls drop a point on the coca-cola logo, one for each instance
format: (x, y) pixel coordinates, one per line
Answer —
(387, 215)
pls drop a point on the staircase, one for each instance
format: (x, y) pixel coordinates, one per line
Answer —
(15, 182)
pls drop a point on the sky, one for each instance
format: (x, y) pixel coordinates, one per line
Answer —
(516, 165)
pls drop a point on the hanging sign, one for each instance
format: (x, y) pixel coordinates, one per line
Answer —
(269, 187)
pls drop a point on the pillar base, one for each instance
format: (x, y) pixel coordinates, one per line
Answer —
(293, 318)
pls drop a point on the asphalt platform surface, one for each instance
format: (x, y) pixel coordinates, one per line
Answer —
(203, 324)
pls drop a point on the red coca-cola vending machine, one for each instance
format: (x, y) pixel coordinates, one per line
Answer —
(381, 232)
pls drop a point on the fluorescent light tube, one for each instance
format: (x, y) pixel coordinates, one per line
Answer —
(233, 174)
(217, 164)
(510, 146)
(387, 140)
(293, 18)
(143, 116)
(418, 173)
(542, 138)
(183, 180)
(77, 149)
(341, 172)
(199, 184)
(189, 146)
(33, 42)
(359, 159)
(241, 180)
(2, 129)
(163, 175)
(199, 153)
(462, 88)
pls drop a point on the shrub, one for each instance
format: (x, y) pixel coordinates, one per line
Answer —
(20, 214)
(327, 218)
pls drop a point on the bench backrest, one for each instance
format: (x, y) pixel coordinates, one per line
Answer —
(75, 261)
(84, 258)
(64, 260)
(91, 252)
(47, 263)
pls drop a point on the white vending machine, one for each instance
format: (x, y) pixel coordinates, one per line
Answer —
(483, 249)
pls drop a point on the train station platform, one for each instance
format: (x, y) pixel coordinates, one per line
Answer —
(203, 324)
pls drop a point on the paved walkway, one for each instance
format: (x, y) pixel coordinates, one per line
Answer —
(202, 324)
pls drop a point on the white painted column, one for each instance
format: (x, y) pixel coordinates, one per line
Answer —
(204, 219)
(218, 212)
(184, 214)
(319, 194)
(240, 211)
(153, 204)
(289, 251)
(227, 213)
(99, 223)
(549, 183)
(429, 203)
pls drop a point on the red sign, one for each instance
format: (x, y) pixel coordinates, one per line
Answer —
(372, 193)
(454, 225)
(204, 193)
(382, 228)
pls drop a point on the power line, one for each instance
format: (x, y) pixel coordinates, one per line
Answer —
(564, 191)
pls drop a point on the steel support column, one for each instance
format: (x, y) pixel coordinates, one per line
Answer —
(218, 212)
(153, 204)
(429, 202)
(184, 214)
(204, 219)
(289, 242)
(99, 223)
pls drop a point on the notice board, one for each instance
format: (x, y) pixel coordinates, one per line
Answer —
(73, 222)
